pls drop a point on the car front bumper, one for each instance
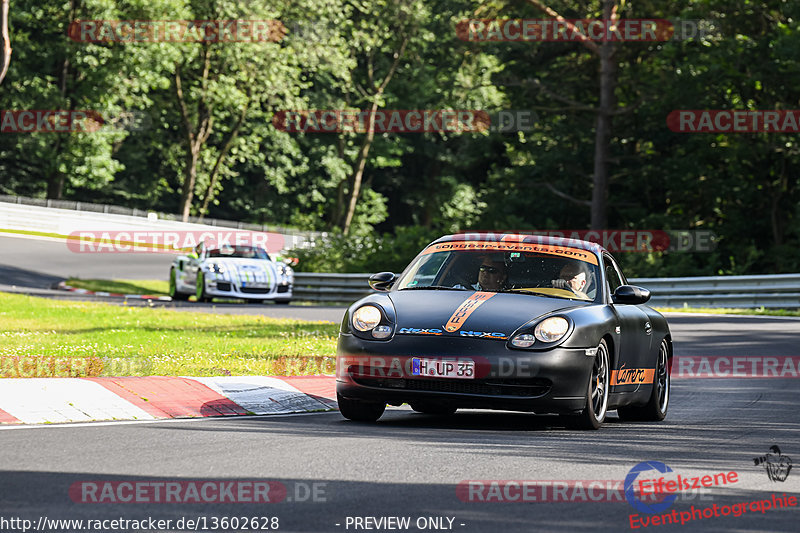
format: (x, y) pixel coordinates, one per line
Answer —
(219, 288)
(549, 381)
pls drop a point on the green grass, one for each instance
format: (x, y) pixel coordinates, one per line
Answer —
(153, 287)
(729, 311)
(42, 337)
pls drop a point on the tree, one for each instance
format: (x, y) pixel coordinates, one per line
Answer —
(5, 53)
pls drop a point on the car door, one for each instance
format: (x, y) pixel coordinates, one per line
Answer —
(634, 368)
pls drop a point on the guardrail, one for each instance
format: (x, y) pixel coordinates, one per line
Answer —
(771, 291)
(109, 209)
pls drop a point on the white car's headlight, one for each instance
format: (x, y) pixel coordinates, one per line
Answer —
(551, 329)
(217, 269)
(366, 317)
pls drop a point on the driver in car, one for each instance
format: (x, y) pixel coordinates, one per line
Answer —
(492, 276)
(573, 278)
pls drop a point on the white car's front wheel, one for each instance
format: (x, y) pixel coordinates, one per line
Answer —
(200, 292)
(173, 287)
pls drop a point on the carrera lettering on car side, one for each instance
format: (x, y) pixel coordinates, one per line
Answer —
(632, 376)
(483, 335)
(461, 314)
(419, 331)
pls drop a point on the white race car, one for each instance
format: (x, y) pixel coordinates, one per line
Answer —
(234, 271)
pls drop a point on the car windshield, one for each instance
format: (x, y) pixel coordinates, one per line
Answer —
(246, 252)
(550, 271)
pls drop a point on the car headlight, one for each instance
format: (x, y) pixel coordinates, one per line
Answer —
(215, 268)
(366, 317)
(551, 329)
(523, 340)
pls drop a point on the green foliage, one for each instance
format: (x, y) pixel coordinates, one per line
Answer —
(364, 253)
(743, 186)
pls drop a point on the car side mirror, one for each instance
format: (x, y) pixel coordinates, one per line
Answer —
(630, 294)
(382, 281)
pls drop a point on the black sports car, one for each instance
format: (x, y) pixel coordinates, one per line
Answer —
(502, 321)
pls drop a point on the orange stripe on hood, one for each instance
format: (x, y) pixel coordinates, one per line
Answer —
(461, 314)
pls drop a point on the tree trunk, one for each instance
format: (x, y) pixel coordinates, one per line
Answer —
(187, 193)
(361, 163)
(608, 81)
(55, 185)
(221, 159)
(5, 54)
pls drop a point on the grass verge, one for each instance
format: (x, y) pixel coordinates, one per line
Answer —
(152, 287)
(41, 337)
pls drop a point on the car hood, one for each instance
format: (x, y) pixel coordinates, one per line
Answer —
(239, 268)
(470, 313)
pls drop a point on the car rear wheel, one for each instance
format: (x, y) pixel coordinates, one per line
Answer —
(433, 408)
(656, 407)
(360, 411)
(594, 413)
(173, 287)
(200, 292)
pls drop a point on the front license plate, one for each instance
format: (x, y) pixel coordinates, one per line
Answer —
(254, 285)
(436, 368)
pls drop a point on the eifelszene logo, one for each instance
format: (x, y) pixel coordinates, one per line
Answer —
(630, 488)
(777, 465)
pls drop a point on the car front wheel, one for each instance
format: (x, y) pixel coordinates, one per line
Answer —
(200, 292)
(656, 407)
(173, 288)
(594, 412)
(360, 411)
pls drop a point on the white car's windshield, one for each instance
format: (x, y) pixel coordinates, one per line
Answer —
(246, 252)
(548, 274)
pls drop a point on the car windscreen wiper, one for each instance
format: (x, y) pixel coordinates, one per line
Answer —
(434, 288)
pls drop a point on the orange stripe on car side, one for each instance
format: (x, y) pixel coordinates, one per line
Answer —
(632, 376)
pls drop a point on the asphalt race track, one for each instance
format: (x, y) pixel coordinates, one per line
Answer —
(411, 465)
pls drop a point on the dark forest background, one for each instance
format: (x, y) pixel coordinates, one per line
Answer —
(204, 143)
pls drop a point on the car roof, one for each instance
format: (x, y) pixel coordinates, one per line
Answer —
(522, 237)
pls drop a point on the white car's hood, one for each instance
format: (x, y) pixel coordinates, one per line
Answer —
(245, 272)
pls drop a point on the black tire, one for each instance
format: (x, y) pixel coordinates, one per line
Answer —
(656, 407)
(594, 413)
(433, 408)
(173, 288)
(360, 411)
(200, 291)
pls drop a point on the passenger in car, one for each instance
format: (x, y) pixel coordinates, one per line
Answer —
(572, 277)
